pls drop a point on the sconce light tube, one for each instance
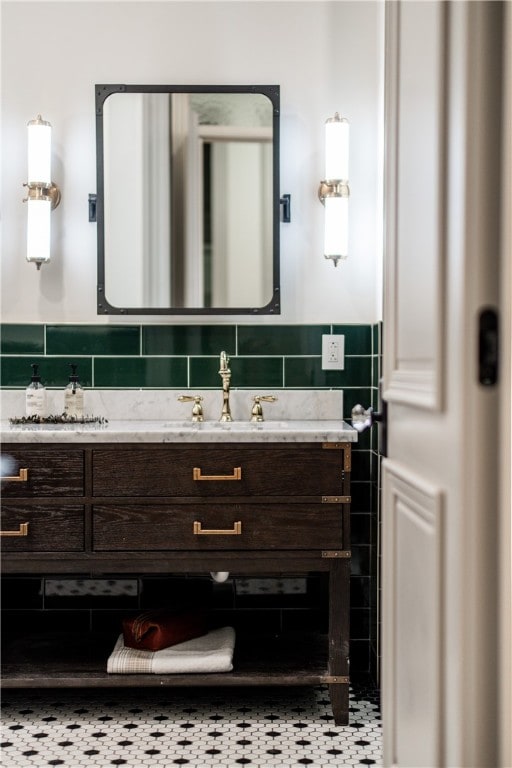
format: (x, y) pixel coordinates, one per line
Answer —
(334, 190)
(336, 148)
(39, 151)
(42, 194)
(336, 228)
(38, 231)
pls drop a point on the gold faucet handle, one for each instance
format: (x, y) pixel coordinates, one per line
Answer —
(257, 410)
(197, 408)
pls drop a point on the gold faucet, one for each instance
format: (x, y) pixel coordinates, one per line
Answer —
(197, 408)
(257, 410)
(225, 374)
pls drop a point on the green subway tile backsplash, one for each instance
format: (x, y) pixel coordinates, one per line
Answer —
(204, 372)
(257, 372)
(187, 356)
(54, 371)
(361, 496)
(188, 339)
(361, 464)
(150, 372)
(307, 372)
(246, 372)
(364, 439)
(21, 339)
(281, 339)
(376, 371)
(92, 340)
(358, 338)
(376, 338)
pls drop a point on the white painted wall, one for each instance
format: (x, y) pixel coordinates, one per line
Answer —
(326, 56)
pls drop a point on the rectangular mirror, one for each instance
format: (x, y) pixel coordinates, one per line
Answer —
(188, 199)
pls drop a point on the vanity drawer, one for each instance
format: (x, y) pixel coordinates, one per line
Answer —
(217, 526)
(218, 470)
(43, 528)
(43, 472)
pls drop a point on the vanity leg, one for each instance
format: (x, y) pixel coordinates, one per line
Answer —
(338, 694)
(339, 596)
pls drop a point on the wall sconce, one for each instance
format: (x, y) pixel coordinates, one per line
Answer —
(334, 190)
(42, 194)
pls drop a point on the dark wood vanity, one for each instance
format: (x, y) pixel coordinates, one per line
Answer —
(254, 508)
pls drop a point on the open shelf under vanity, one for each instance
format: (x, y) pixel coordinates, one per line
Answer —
(60, 660)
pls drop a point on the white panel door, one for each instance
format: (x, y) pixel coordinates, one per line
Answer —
(439, 576)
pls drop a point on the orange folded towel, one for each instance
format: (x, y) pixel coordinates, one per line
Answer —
(155, 630)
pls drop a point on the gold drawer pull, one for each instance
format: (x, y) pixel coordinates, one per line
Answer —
(237, 530)
(22, 477)
(23, 531)
(237, 475)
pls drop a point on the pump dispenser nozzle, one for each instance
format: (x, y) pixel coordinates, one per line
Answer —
(35, 372)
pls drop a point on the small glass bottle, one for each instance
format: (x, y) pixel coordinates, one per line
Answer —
(35, 395)
(74, 396)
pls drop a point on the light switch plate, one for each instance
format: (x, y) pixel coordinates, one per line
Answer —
(333, 352)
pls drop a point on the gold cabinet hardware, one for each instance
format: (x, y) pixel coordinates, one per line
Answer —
(23, 531)
(342, 679)
(336, 499)
(339, 553)
(237, 475)
(347, 453)
(21, 477)
(237, 530)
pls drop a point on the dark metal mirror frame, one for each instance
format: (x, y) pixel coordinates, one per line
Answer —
(102, 92)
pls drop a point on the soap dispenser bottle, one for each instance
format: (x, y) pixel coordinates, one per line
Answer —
(74, 396)
(35, 395)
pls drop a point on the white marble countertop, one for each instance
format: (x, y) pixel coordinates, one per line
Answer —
(175, 431)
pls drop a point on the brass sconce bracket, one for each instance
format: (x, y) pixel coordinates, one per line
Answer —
(333, 188)
(47, 192)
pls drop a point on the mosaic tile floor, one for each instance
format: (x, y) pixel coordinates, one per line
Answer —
(260, 728)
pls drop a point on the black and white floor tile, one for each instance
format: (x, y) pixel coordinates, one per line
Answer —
(134, 728)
